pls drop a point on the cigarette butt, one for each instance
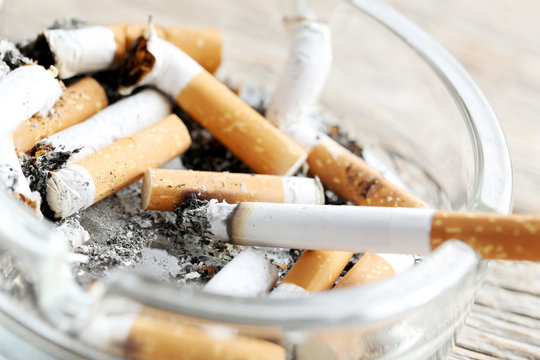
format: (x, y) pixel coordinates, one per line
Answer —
(305, 72)
(164, 189)
(97, 48)
(317, 270)
(117, 121)
(157, 339)
(372, 229)
(202, 44)
(494, 236)
(25, 91)
(369, 268)
(239, 127)
(351, 178)
(78, 102)
(235, 124)
(79, 185)
(147, 333)
(249, 274)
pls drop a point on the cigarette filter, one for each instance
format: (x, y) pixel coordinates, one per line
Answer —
(347, 174)
(96, 48)
(374, 229)
(145, 337)
(316, 270)
(249, 274)
(164, 189)
(78, 102)
(373, 267)
(25, 91)
(305, 72)
(12, 177)
(239, 127)
(117, 121)
(80, 184)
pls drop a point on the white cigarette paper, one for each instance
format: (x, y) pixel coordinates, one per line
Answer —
(287, 291)
(360, 229)
(11, 175)
(305, 72)
(78, 51)
(247, 275)
(116, 121)
(69, 190)
(24, 92)
(173, 69)
(399, 262)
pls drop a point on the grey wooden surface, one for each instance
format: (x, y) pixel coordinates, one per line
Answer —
(498, 42)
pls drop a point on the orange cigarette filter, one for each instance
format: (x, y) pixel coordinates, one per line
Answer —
(368, 268)
(151, 338)
(351, 178)
(202, 44)
(125, 161)
(260, 145)
(163, 189)
(317, 270)
(77, 103)
(494, 236)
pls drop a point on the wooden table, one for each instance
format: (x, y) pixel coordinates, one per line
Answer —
(498, 42)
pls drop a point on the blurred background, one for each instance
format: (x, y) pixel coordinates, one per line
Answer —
(498, 42)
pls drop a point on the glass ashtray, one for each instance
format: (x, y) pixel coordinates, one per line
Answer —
(418, 116)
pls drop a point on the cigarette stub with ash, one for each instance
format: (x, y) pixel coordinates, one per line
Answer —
(368, 228)
(96, 48)
(163, 189)
(305, 72)
(116, 121)
(235, 124)
(144, 333)
(249, 274)
(78, 185)
(11, 175)
(25, 91)
(77, 103)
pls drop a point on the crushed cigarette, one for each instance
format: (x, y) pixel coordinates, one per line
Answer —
(240, 128)
(97, 48)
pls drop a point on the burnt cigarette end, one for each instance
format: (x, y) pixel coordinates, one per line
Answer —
(137, 63)
(192, 218)
(363, 187)
(37, 166)
(39, 50)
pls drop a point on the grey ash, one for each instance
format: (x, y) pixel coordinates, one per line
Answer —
(192, 219)
(37, 166)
